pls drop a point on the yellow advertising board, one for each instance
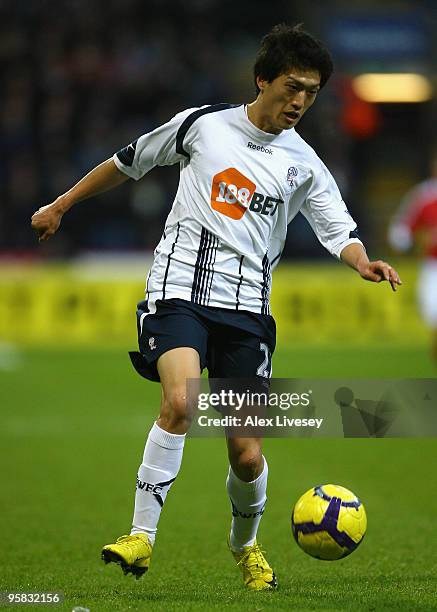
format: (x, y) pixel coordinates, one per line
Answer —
(312, 303)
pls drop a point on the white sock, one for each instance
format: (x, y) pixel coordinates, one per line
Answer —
(161, 462)
(248, 500)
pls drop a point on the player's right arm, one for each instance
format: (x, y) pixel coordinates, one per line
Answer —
(157, 148)
(102, 178)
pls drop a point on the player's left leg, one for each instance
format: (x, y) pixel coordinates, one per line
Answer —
(241, 354)
(247, 487)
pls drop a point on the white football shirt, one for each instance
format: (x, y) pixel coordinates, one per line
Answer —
(239, 188)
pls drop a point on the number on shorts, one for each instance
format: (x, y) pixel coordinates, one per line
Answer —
(264, 369)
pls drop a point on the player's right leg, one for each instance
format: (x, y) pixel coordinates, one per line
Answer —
(161, 461)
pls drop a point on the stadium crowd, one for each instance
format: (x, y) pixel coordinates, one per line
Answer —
(80, 80)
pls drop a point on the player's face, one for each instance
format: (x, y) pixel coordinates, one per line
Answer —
(287, 98)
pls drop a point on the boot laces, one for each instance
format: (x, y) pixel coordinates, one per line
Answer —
(129, 540)
(258, 561)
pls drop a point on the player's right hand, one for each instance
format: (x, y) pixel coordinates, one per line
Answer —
(47, 220)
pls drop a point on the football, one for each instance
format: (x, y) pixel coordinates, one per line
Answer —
(329, 522)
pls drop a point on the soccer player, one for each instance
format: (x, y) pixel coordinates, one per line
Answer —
(245, 173)
(418, 216)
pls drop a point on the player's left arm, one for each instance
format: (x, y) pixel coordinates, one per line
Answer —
(335, 228)
(355, 256)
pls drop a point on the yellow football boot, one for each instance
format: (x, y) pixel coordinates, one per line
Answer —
(257, 573)
(131, 552)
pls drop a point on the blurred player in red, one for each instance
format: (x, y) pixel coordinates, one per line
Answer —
(416, 220)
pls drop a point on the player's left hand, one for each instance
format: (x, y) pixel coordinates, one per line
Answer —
(377, 271)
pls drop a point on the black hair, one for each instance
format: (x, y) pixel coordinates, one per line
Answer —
(286, 47)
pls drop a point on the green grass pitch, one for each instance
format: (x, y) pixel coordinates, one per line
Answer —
(73, 425)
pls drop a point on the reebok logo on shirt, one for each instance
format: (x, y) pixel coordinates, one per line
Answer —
(251, 145)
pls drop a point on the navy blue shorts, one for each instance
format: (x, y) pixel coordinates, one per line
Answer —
(231, 344)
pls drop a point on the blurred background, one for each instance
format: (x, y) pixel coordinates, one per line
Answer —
(80, 80)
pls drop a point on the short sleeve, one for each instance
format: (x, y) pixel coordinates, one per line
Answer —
(327, 213)
(156, 148)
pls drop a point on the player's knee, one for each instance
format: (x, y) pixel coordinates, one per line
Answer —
(247, 464)
(175, 412)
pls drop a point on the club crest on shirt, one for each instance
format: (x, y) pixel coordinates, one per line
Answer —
(291, 175)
